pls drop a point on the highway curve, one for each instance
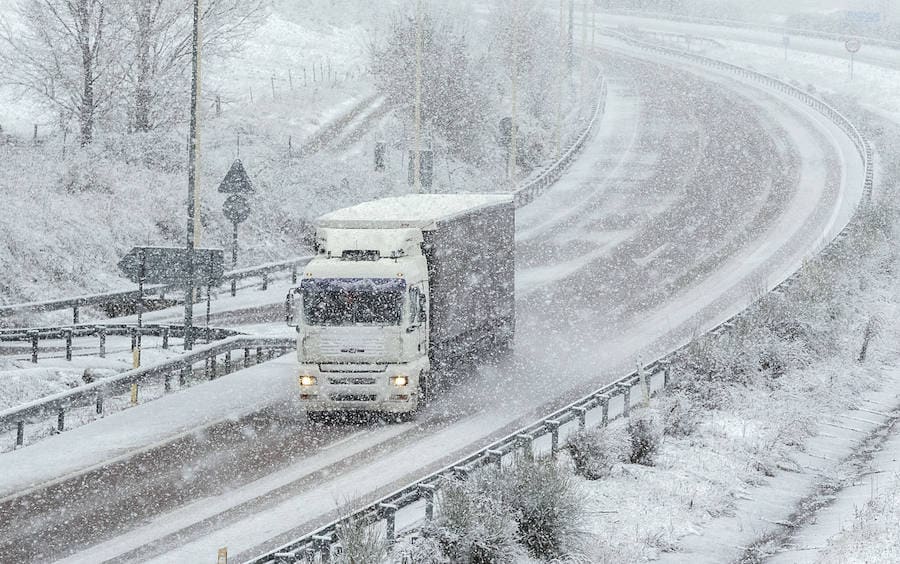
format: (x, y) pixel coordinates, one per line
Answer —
(652, 236)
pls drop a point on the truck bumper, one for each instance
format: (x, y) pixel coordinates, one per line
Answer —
(362, 390)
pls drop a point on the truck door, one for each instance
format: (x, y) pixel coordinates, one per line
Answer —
(418, 322)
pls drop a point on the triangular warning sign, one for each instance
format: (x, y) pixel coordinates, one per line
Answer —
(236, 181)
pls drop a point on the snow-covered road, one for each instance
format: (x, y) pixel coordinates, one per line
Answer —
(694, 194)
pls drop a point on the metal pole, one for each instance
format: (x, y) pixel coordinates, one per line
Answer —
(557, 132)
(511, 165)
(136, 353)
(234, 250)
(192, 226)
(417, 173)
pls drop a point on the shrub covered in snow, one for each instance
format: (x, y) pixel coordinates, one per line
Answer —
(360, 543)
(680, 414)
(596, 452)
(645, 432)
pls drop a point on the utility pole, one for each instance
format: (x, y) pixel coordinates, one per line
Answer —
(511, 165)
(560, 83)
(417, 156)
(193, 225)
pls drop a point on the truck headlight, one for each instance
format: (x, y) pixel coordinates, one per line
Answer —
(307, 380)
(399, 381)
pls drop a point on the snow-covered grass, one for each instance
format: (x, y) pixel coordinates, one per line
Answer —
(872, 534)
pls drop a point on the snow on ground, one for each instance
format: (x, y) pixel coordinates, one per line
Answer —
(711, 494)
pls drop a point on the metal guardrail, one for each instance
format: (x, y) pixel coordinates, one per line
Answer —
(263, 271)
(534, 188)
(816, 34)
(317, 546)
(34, 335)
(92, 395)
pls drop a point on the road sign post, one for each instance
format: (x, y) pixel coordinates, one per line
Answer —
(236, 207)
(853, 46)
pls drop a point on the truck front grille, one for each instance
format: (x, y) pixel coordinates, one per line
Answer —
(353, 397)
(354, 381)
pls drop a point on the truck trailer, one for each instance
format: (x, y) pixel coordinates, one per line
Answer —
(399, 289)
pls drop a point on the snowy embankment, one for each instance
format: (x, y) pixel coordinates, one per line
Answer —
(790, 403)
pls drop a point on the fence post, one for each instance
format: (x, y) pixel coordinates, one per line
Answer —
(554, 436)
(68, 335)
(390, 518)
(259, 354)
(99, 404)
(34, 346)
(246, 357)
(60, 420)
(75, 315)
(164, 331)
(212, 367)
(20, 433)
(101, 332)
(428, 493)
(667, 375)
(604, 409)
(265, 281)
(183, 375)
(227, 362)
(167, 382)
(527, 445)
(582, 417)
(324, 547)
(626, 399)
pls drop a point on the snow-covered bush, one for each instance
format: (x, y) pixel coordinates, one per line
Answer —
(360, 543)
(545, 501)
(645, 431)
(596, 452)
(473, 526)
(680, 414)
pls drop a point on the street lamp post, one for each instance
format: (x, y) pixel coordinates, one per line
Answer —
(193, 146)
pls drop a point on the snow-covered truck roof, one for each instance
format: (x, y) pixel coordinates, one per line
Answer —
(422, 211)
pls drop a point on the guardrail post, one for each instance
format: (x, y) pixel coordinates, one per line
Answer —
(259, 354)
(527, 445)
(167, 382)
(389, 511)
(164, 332)
(99, 404)
(211, 366)
(554, 436)
(74, 315)
(227, 362)
(183, 375)
(582, 417)
(68, 335)
(604, 409)
(428, 493)
(496, 457)
(626, 399)
(133, 332)
(667, 376)
(20, 433)
(233, 287)
(101, 332)
(246, 357)
(34, 346)
(265, 281)
(60, 420)
(324, 547)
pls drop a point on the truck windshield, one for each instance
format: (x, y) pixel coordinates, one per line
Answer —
(352, 301)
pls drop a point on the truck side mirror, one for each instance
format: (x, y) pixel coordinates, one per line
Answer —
(289, 309)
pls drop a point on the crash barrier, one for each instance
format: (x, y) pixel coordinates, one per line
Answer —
(815, 34)
(131, 298)
(35, 335)
(416, 502)
(88, 400)
(546, 178)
